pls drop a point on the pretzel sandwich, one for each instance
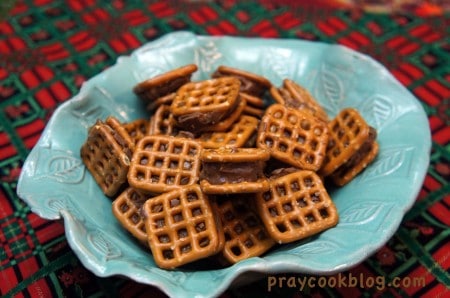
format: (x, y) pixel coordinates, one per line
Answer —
(251, 83)
(351, 147)
(107, 153)
(293, 95)
(164, 84)
(293, 136)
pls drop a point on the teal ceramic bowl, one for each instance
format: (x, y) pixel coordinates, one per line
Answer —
(55, 183)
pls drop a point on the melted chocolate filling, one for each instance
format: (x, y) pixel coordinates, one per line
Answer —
(247, 85)
(162, 90)
(365, 148)
(232, 172)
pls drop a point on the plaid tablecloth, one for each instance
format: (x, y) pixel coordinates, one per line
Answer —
(49, 48)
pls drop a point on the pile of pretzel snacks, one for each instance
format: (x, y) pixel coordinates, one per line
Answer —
(225, 168)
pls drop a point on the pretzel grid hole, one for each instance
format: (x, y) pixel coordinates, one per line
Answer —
(308, 182)
(281, 190)
(251, 221)
(274, 127)
(249, 243)
(273, 211)
(287, 133)
(269, 142)
(278, 114)
(287, 207)
(177, 217)
(316, 197)
(305, 124)
(134, 218)
(164, 238)
(236, 250)
(159, 222)
(182, 233)
(124, 207)
(267, 196)
(295, 223)
(281, 227)
(302, 202)
(324, 213)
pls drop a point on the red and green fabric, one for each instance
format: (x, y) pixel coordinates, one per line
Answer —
(49, 48)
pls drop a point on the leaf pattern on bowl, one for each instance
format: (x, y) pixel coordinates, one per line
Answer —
(389, 161)
(65, 169)
(207, 56)
(366, 216)
(333, 89)
(275, 64)
(106, 248)
(94, 103)
(176, 277)
(61, 201)
(378, 111)
(317, 247)
(58, 165)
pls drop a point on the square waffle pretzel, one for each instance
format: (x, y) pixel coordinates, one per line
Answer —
(293, 95)
(240, 134)
(162, 122)
(136, 129)
(162, 163)
(207, 102)
(296, 206)
(181, 227)
(127, 209)
(293, 136)
(107, 153)
(347, 133)
(245, 234)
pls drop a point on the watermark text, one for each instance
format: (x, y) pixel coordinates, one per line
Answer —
(342, 280)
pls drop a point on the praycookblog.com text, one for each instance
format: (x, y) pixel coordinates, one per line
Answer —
(342, 280)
